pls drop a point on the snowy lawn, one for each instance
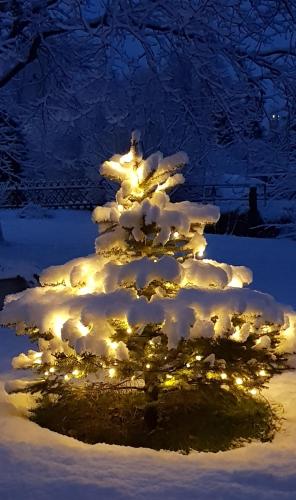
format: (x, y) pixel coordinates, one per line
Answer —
(38, 464)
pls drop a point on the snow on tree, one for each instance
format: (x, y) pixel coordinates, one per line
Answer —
(75, 66)
(147, 312)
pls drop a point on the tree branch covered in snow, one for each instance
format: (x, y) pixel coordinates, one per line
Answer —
(96, 66)
(147, 310)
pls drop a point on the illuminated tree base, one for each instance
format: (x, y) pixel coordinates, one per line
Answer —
(208, 420)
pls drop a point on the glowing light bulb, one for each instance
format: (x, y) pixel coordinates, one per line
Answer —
(84, 330)
(46, 373)
(154, 260)
(66, 377)
(75, 372)
(52, 369)
(236, 335)
(112, 372)
(169, 376)
(129, 330)
(198, 357)
(262, 373)
(239, 381)
(140, 173)
(188, 365)
(253, 391)
(134, 178)
(127, 157)
(148, 366)
(57, 324)
(224, 376)
(112, 345)
(235, 282)
(201, 252)
(176, 234)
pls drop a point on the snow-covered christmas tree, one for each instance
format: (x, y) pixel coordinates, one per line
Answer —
(147, 312)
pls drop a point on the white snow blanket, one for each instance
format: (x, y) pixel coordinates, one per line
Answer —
(38, 464)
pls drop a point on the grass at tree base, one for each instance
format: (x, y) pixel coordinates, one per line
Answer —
(213, 420)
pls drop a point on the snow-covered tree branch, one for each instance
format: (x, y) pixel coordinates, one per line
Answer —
(213, 64)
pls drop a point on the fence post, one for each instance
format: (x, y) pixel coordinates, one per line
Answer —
(265, 194)
(253, 200)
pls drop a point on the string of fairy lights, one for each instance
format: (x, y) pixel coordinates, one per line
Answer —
(169, 368)
(169, 379)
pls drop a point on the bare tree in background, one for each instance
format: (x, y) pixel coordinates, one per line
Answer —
(197, 73)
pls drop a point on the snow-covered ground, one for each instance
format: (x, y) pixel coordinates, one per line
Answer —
(38, 464)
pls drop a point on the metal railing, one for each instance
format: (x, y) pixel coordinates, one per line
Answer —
(77, 193)
(219, 193)
(84, 194)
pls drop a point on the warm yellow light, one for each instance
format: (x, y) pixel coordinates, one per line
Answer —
(133, 179)
(129, 330)
(37, 361)
(112, 372)
(262, 373)
(154, 260)
(201, 252)
(87, 289)
(84, 330)
(75, 372)
(112, 345)
(235, 282)
(127, 157)
(236, 335)
(46, 373)
(67, 377)
(170, 382)
(52, 369)
(253, 391)
(133, 377)
(169, 376)
(140, 173)
(198, 357)
(239, 381)
(224, 376)
(148, 366)
(188, 365)
(176, 234)
(57, 324)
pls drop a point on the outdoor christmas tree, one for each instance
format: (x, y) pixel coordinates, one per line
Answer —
(147, 317)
